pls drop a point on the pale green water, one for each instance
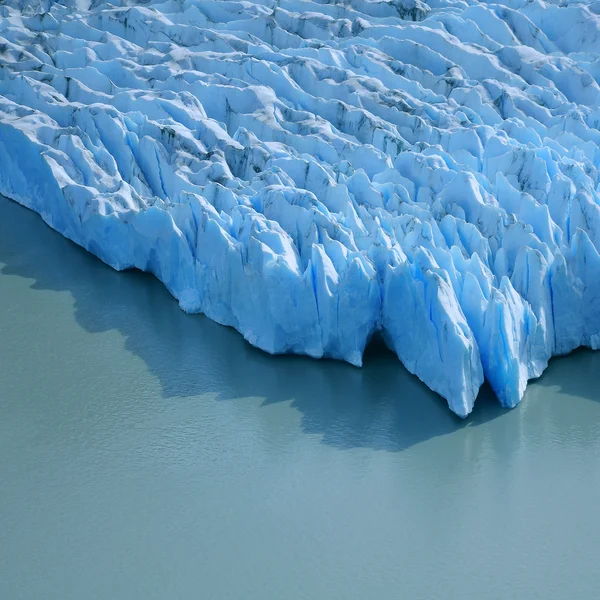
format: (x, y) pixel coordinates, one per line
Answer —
(147, 454)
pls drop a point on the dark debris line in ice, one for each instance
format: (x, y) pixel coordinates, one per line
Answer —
(314, 172)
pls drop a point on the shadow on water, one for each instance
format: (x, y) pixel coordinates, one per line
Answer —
(380, 406)
(575, 374)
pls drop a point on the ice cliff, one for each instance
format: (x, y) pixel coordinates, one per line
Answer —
(313, 172)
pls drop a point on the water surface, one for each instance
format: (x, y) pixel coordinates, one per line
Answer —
(145, 453)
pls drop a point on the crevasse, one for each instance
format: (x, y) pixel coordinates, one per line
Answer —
(312, 172)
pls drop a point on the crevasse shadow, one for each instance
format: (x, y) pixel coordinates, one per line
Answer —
(380, 406)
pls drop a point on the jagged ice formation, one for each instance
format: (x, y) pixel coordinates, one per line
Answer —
(314, 172)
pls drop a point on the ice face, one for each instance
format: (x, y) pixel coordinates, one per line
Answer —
(312, 173)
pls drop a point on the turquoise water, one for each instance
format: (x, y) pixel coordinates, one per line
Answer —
(149, 454)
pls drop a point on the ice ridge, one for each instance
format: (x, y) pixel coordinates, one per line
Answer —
(315, 172)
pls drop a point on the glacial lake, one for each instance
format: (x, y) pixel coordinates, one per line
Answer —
(149, 454)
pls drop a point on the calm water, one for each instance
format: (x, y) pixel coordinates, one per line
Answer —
(148, 454)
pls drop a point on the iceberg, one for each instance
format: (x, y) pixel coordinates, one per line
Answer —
(314, 173)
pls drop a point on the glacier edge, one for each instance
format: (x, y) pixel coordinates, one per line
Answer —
(307, 174)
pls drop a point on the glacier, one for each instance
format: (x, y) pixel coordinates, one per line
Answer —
(314, 173)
